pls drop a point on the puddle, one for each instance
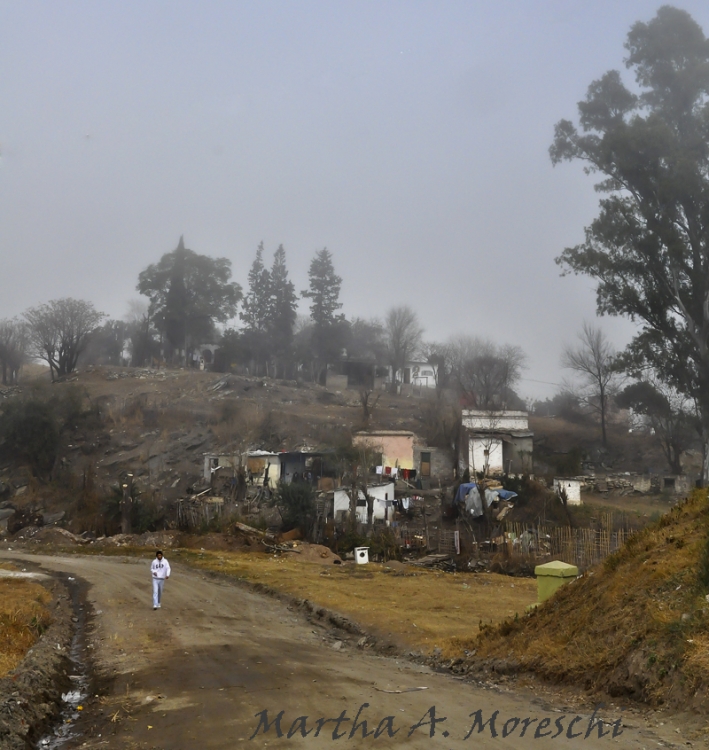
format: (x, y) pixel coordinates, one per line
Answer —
(78, 691)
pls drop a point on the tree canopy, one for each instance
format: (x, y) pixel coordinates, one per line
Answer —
(324, 289)
(59, 332)
(483, 372)
(403, 334)
(255, 309)
(668, 415)
(648, 247)
(14, 336)
(282, 304)
(188, 293)
(594, 360)
(330, 332)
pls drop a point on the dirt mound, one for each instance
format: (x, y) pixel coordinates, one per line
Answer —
(636, 626)
(314, 553)
(55, 535)
(213, 542)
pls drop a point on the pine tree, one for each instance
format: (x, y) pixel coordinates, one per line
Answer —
(324, 289)
(282, 306)
(329, 329)
(255, 311)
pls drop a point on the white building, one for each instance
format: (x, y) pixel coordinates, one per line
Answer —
(420, 374)
(383, 495)
(498, 441)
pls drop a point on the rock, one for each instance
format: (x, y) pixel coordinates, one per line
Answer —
(50, 518)
(337, 645)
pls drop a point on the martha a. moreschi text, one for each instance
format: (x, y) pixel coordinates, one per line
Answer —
(362, 725)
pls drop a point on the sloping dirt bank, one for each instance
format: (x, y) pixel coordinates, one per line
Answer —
(199, 673)
(31, 695)
(636, 627)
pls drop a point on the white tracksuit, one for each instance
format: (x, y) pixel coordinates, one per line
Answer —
(160, 570)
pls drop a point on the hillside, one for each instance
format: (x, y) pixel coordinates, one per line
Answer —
(157, 424)
(636, 626)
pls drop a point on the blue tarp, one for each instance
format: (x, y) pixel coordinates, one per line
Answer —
(469, 495)
(463, 491)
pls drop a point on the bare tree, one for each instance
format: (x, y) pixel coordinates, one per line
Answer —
(59, 331)
(13, 349)
(669, 413)
(369, 400)
(140, 331)
(485, 373)
(439, 357)
(594, 362)
(403, 334)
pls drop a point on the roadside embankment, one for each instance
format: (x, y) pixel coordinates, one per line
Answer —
(36, 618)
(636, 626)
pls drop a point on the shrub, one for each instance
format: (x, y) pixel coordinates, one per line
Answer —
(30, 433)
(296, 504)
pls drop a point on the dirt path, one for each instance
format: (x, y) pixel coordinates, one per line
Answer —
(194, 675)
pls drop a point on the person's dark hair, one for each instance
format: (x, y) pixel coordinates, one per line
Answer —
(159, 552)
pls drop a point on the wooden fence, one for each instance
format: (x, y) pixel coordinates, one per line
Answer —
(197, 513)
(583, 547)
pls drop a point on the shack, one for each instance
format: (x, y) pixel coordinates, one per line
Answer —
(384, 502)
(498, 442)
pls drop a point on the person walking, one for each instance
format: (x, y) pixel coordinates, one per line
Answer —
(160, 569)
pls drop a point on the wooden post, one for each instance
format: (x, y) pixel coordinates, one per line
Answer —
(127, 505)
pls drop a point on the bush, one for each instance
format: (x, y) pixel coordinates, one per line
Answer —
(296, 504)
(384, 545)
(30, 433)
(349, 541)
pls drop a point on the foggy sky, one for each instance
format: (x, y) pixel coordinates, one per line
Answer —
(409, 138)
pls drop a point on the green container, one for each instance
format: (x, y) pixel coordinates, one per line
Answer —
(552, 576)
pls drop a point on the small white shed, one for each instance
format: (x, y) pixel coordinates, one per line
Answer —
(383, 495)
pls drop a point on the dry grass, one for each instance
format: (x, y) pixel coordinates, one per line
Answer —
(23, 618)
(417, 608)
(638, 624)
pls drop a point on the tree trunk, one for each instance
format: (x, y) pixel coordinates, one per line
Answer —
(353, 506)
(705, 459)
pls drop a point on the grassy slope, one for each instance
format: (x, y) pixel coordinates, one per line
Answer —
(418, 608)
(636, 626)
(23, 617)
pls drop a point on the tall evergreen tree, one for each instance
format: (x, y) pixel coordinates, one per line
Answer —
(282, 307)
(324, 291)
(255, 308)
(648, 248)
(330, 330)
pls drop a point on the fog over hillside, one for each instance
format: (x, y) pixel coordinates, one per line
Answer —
(411, 140)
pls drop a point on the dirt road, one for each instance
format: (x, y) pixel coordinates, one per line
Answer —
(198, 673)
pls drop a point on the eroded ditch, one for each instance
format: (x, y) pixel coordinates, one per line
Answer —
(79, 681)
